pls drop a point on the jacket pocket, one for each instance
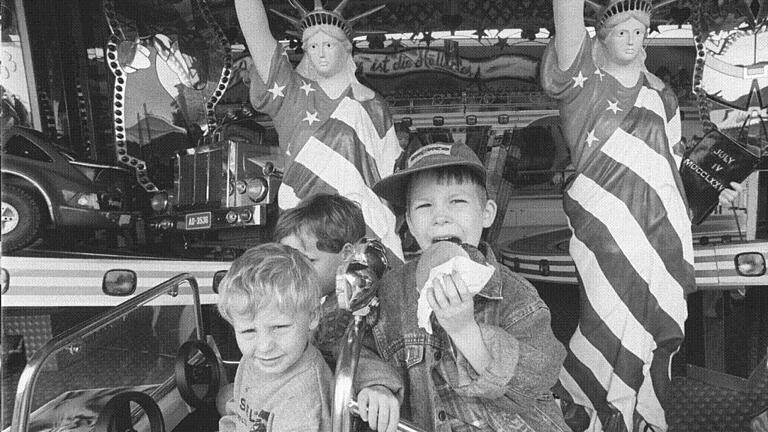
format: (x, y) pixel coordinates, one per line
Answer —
(404, 351)
(407, 350)
(412, 355)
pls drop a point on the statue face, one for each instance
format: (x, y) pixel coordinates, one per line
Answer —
(625, 41)
(326, 53)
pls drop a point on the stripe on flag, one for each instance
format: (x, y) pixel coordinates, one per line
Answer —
(674, 130)
(587, 391)
(651, 100)
(627, 186)
(610, 307)
(352, 113)
(629, 286)
(620, 395)
(633, 244)
(635, 154)
(581, 400)
(342, 175)
(648, 404)
(286, 197)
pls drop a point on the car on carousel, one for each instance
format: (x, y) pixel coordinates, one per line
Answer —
(45, 187)
(159, 359)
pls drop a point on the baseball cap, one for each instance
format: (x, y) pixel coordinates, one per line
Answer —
(438, 155)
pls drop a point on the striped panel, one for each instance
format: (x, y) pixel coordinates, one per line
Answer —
(706, 268)
(714, 264)
(726, 265)
(51, 282)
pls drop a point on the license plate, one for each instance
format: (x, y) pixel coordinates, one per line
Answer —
(198, 220)
(124, 220)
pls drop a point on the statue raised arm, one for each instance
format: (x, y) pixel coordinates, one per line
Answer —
(253, 22)
(569, 27)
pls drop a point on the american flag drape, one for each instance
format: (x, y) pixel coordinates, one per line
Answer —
(340, 146)
(631, 243)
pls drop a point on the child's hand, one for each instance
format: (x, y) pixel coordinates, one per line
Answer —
(727, 196)
(452, 303)
(225, 394)
(379, 407)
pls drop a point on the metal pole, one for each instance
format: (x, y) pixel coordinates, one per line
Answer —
(344, 404)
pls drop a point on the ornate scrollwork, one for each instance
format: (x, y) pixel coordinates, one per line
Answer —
(731, 72)
(163, 99)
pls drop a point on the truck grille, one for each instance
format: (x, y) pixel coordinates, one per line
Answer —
(200, 178)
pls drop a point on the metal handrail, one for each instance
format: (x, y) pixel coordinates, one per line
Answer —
(356, 292)
(344, 404)
(346, 367)
(31, 372)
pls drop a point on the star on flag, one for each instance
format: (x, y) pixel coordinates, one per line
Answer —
(307, 87)
(599, 73)
(591, 138)
(579, 80)
(276, 91)
(311, 118)
(613, 106)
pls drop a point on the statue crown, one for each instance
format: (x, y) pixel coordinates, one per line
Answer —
(321, 16)
(620, 6)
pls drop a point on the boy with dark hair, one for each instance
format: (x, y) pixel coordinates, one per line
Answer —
(487, 358)
(320, 227)
(270, 296)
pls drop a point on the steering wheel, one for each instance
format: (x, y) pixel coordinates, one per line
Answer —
(116, 414)
(196, 364)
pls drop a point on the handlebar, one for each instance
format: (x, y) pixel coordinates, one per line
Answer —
(402, 425)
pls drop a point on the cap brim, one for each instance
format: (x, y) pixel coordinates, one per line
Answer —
(395, 187)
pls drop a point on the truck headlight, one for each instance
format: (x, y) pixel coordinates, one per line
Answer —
(159, 202)
(256, 189)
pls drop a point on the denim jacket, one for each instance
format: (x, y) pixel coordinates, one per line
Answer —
(442, 390)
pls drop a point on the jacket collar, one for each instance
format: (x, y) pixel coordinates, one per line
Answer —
(484, 255)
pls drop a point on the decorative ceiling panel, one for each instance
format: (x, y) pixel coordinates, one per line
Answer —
(418, 16)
